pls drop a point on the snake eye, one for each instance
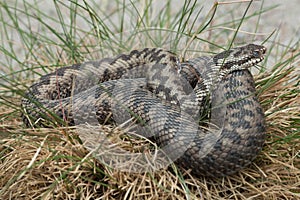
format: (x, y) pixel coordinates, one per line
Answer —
(256, 53)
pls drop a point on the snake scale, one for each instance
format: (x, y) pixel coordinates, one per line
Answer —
(169, 97)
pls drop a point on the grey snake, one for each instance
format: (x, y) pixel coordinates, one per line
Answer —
(169, 97)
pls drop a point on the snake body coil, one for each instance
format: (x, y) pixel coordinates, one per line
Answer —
(169, 97)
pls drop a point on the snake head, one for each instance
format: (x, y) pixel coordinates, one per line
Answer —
(240, 57)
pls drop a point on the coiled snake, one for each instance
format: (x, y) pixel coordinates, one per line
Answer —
(169, 97)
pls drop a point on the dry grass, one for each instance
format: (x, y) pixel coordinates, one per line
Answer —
(52, 164)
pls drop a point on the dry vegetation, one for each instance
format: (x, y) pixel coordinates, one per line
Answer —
(48, 163)
(53, 164)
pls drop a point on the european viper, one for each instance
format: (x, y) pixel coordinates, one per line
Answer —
(168, 98)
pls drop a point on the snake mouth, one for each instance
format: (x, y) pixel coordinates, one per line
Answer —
(242, 64)
(255, 61)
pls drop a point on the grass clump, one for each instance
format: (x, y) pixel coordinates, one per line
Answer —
(51, 163)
